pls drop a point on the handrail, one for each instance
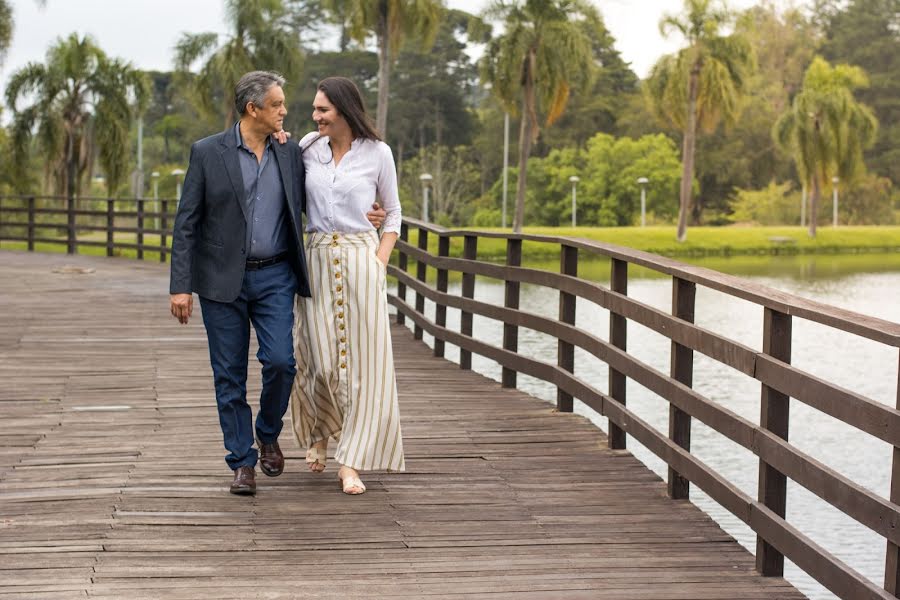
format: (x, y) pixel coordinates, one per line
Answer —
(779, 460)
(59, 220)
(873, 328)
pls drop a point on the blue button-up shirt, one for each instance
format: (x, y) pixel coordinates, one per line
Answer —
(267, 230)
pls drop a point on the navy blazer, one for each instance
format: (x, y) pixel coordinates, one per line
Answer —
(208, 242)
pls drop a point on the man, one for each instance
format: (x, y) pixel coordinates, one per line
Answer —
(238, 244)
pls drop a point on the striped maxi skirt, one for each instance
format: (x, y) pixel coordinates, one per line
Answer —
(345, 386)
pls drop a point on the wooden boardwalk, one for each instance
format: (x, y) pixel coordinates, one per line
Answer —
(113, 484)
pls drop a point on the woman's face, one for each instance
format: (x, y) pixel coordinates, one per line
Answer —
(326, 116)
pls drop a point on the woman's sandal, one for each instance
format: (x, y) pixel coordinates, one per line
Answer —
(353, 486)
(316, 457)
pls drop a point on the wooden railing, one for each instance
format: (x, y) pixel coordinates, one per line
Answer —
(778, 459)
(59, 220)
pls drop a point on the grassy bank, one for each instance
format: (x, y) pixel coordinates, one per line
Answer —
(701, 242)
(705, 241)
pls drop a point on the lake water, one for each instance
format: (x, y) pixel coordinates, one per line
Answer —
(868, 284)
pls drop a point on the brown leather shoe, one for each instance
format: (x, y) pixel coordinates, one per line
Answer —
(271, 460)
(244, 481)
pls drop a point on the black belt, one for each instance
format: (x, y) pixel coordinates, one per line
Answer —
(261, 263)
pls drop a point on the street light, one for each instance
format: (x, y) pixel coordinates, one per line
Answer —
(154, 176)
(425, 178)
(834, 203)
(178, 173)
(803, 207)
(574, 179)
(643, 181)
(505, 164)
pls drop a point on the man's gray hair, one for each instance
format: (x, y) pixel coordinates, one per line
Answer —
(253, 87)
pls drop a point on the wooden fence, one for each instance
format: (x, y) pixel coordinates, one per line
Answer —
(779, 381)
(72, 221)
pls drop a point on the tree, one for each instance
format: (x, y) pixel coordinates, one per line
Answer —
(607, 99)
(6, 27)
(261, 37)
(542, 54)
(745, 155)
(826, 129)
(608, 193)
(456, 182)
(359, 65)
(700, 85)
(82, 106)
(431, 96)
(866, 33)
(391, 21)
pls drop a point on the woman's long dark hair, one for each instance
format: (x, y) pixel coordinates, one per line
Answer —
(345, 97)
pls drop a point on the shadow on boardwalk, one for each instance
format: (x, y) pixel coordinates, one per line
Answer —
(112, 482)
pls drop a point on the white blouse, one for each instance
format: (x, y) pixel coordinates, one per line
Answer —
(338, 198)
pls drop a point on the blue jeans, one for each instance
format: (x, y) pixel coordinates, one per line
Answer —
(267, 301)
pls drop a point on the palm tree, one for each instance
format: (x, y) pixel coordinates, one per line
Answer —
(260, 38)
(542, 54)
(826, 129)
(701, 84)
(391, 21)
(82, 106)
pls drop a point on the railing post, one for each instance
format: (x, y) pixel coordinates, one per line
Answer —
(470, 252)
(511, 300)
(421, 268)
(565, 352)
(618, 337)
(70, 225)
(402, 264)
(440, 311)
(774, 411)
(110, 226)
(892, 560)
(31, 220)
(140, 228)
(682, 370)
(163, 227)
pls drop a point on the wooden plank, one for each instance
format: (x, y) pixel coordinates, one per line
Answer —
(502, 498)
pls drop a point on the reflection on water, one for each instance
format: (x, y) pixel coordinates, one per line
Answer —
(866, 283)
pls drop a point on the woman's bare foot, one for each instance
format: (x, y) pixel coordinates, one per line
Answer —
(350, 481)
(316, 456)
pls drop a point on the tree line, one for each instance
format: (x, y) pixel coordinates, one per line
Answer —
(759, 115)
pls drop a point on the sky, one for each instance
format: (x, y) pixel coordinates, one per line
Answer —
(145, 31)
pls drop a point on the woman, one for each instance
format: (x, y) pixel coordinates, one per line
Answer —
(345, 386)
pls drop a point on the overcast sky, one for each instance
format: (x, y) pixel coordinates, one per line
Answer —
(145, 31)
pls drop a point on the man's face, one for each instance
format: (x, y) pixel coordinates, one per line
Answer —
(270, 116)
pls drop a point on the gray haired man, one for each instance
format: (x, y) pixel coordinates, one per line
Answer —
(238, 244)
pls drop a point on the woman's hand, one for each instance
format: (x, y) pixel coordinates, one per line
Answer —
(385, 247)
(376, 216)
(282, 136)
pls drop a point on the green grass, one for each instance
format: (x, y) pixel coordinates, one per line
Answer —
(701, 241)
(60, 247)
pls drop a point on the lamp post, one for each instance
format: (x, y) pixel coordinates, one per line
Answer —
(574, 179)
(505, 163)
(425, 178)
(834, 202)
(178, 173)
(803, 207)
(643, 181)
(154, 176)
